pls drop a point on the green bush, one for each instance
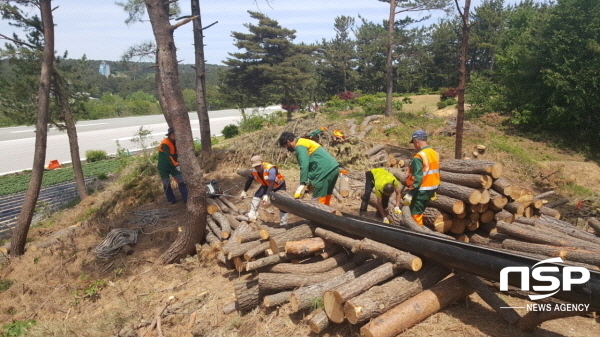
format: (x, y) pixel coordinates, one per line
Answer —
(95, 155)
(450, 101)
(380, 95)
(441, 104)
(16, 328)
(366, 100)
(230, 131)
(374, 108)
(397, 105)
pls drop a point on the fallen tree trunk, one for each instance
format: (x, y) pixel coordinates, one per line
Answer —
(225, 226)
(276, 299)
(594, 223)
(380, 299)
(398, 258)
(221, 205)
(531, 235)
(503, 186)
(213, 227)
(277, 243)
(440, 221)
(472, 166)
(247, 295)
(334, 299)
(417, 308)
(240, 249)
(447, 204)
(319, 321)
(211, 206)
(229, 204)
(267, 261)
(274, 282)
(551, 212)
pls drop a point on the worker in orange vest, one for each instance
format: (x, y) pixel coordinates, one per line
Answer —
(423, 177)
(169, 167)
(270, 180)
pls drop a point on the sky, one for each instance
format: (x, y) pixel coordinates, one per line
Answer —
(97, 29)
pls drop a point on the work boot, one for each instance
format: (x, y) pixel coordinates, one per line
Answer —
(253, 213)
(283, 218)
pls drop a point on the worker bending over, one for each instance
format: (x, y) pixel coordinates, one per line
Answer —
(269, 178)
(384, 184)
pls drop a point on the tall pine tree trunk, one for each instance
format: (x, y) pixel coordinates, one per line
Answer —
(175, 108)
(19, 235)
(63, 101)
(389, 69)
(462, 79)
(201, 79)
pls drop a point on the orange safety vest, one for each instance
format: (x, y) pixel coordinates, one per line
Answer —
(265, 175)
(172, 149)
(431, 170)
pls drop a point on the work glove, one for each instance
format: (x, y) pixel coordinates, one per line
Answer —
(397, 210)
(386, 220)
(243, 194)
(265, 199)
(299, 191)
(434, 196)
(178, 168)
(407, 200)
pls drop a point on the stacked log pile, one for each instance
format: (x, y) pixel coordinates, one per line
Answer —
(356, 280)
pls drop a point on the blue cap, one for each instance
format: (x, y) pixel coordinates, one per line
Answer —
(419, 134)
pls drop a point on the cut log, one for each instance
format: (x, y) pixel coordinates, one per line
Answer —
(330, 250)
(545, 210)
(301, 298)
(488, 227)
(418, 308)
(310, 268)
(479, 208)
(319, 321)
(473, 167)
(267, 261)
(374, 150)
(460, 237)
(213, 227)
(485, 195)
(344, 186)
(364, 132)
(447, 204)
(534, 248)
(459, 225)
(339, 239)
(497, 200)
(566, 228)
(223, 223)
(212, 240)
(486, 216)
(503, 186)
(305, 246)
(466, 194)
(380, 299)
(337, 195)
(235, 223)
(531, 235)
(478, 239)
(515, 208)
(594, 223)
(277, 243)
(274, 282)
(221, 205)
(276, 299)
(476, 181)
(333, 300)
(557, 203)
(211, 206)
(242, 229)
(537, 203)
(229, 204)
(249, 236)
(400, 259)
(266, 231)
(369, 119)
(247, 295)
(472, 226)
(440, 221)
(505, 216)
(240, 249)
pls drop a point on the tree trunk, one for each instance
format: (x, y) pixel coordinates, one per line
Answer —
(466, 194)
(301, 298)
(249, 236)
(503, 186)
(380, 299)
(319, 321)
(418, 308)
(276, 299)
(334, 299)
(211, 206)
(228, 203)
(212, 225)
(310, 268)
(19, 233)
(234, 250)
(531, 235)
(339, 239)
(551, 212)
(462, 77)
(389, 68)
(440, 221)
(193, 231)
(72, 134)
(205, 136)
(594, 223)
(221, 205)
(400, 259)
(247, 295)
(473, 167)
(305, 246)
(277, 243)
(225, 226)
(267, 261)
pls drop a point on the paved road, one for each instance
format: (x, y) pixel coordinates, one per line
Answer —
(17, 143)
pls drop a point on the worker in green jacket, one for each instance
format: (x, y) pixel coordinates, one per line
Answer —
(168, 166)
(317, 166)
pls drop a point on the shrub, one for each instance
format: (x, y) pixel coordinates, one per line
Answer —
(374, 108)
(397, 104)
(407, 100)
(347, 96)
(448, 93)
(16, 328)
(424, 91)
(380, 95)
(366, 99)
(450, 101)
(230, 131)
(95, 155)
(441, 104)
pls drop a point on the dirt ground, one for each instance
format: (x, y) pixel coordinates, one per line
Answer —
(68, 291)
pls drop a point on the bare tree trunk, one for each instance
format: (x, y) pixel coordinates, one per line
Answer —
(201, 79)
(193, 231)
(462, 79)
(389, 69)
(19, 234)
(72, 133)
(162, 100)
